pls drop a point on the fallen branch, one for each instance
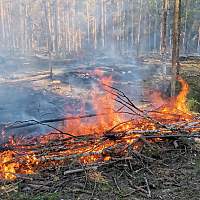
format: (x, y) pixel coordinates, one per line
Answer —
(80, 170)
(148, 188)
(170, 136)
(23, 124)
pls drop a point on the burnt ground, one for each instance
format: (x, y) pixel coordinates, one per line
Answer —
(164, 172)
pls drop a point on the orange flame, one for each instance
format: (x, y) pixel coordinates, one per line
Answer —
(104, 105)
(181, 103)
(174, 106)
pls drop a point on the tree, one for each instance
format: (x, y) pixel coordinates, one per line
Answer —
(139, 27)
(71, 27)
(176, 43)
(198, 42)
(185, 38)
(164, 28)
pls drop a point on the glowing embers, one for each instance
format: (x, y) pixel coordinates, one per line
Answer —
(13, 163)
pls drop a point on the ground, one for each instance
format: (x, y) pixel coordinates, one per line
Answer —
(163, 170)
(165, 173)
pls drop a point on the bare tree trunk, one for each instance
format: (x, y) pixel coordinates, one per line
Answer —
(56, 26)
(163, 47)
(155, 28)
(88, 23)
(175, 51)
(185, 42)
(149, 32)
(139, 28)
(179, 39)
(103, 22)
(163, 44)
(48, 28)
(198, 43)
(2, 24)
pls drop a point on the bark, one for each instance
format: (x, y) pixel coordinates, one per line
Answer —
(198, 43)
(179, 39)
(56, 27)
(155, 28)
(185, 38)
(175, 48)
(49, 40)
(102, 24)
(139, 28)
(164, 28)
(2, 23)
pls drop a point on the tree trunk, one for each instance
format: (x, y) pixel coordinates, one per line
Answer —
(198, 43)
(102, 24)
(139, 28)
(2, 24)
(175, 48)
(49, 40)
(56, 27)
(155, 28)
(164, 28)
(179, 38)
(185, 42)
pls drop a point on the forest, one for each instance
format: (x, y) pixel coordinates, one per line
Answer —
(99, 99)
(76, 27)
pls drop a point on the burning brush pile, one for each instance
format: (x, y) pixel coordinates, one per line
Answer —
(117, 130)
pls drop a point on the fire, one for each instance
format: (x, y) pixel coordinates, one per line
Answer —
(180, 103)
(7, 167)
(24, 160)
(10, 165)
(104, 105)
(173, 107)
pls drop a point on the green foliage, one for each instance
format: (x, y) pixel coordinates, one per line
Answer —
(193, 104)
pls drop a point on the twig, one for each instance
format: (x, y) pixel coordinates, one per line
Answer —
(74, 171)
(93, 191)
(148, 188)
(126, 102)
(122, 94)
(35, 122)
(117, 185)
(122, 123)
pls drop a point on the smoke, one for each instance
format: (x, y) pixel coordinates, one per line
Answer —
(104, 31)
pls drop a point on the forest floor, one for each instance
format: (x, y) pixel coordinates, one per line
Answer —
(165, 171)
